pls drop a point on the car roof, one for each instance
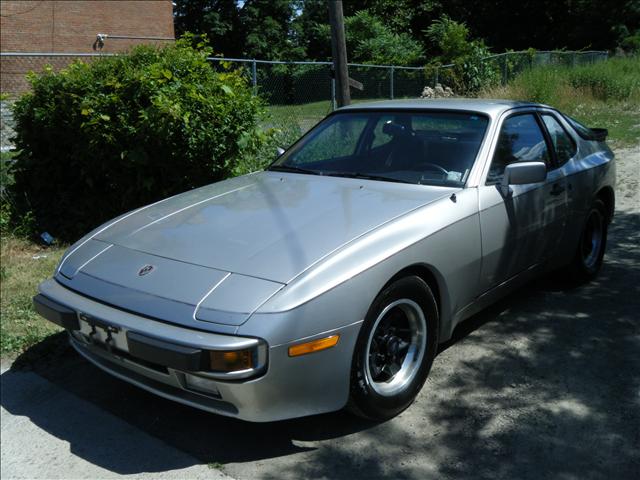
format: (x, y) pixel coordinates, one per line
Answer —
(488, 106)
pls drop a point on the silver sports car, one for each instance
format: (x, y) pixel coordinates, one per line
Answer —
(329, 279)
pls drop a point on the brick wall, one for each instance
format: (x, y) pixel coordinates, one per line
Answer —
(68, 26)
(13, 70)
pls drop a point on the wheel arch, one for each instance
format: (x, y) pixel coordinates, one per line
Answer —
(607, 195)
(435, 282)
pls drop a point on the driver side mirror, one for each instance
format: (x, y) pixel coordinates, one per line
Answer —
(522, 173)
(279, 151)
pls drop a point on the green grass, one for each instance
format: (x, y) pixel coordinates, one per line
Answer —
(604, 94)
(305, 112)
(23, 265)
(304, 115)
(622, 120)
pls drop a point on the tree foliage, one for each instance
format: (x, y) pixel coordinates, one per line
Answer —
(373, 42)
(451, 38)
(295, 29)
(249, 29)
(370, 41)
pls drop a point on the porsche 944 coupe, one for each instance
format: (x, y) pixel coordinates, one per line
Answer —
(329, 279)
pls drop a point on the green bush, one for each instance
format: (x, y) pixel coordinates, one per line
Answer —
(98, 139)
(617, 79)
(631, 44)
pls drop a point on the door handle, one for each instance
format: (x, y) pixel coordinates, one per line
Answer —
(557, 189)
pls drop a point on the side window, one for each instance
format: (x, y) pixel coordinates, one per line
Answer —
(562, 143)
(520, 140)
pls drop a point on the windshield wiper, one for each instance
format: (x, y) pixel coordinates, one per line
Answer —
(365, 176)
(289, 168)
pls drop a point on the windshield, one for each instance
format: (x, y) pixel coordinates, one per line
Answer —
(427, 148)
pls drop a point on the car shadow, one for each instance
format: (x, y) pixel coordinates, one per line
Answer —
(207, 437)
(570, 354)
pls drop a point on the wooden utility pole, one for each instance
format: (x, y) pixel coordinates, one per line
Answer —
(339, 51)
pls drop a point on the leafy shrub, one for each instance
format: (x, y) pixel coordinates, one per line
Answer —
(102, 138)
(6, 180)
(631, 43)
(6, 176)
(617, 79)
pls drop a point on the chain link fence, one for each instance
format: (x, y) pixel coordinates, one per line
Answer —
(299, 94)
(509, 64)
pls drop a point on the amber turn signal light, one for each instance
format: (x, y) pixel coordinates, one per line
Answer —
(231, 361)
(313, 346)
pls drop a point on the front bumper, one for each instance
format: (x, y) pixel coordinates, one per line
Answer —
(285, 387)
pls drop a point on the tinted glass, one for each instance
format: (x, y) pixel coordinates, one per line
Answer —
(434, 148)
(337, 140)
(562, 143)
(521, 140)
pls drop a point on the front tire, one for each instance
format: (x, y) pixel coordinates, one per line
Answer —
(395, 349)
(587, 260)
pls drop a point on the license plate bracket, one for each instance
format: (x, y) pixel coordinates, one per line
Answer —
(94, 337)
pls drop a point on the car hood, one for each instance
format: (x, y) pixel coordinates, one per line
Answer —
(267, 225)
(216, 254)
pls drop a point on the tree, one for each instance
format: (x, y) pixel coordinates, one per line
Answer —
(217, 19)
(251, 29)
(370, 41)
(309, 31)
(548, 24)
(267, 31)
(281, 29)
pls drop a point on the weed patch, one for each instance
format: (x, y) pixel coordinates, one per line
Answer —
(23, 265)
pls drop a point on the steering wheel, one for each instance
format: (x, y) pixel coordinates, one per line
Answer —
(433, 166)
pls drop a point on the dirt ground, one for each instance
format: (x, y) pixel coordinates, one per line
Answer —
(628, 179)
(545, 384)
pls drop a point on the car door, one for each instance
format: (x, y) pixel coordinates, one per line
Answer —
(522, 228)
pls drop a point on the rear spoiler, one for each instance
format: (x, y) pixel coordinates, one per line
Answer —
(591, 134)
(599, 134)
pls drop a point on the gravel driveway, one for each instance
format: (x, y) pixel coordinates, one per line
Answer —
(545, 384)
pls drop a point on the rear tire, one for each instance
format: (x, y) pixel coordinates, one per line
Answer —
(395, 349)
(587, 260)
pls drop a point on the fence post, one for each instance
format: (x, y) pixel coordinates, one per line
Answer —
(254, 74)
(437, 76)
(504, 69)
(333, 94)
(391, 82)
